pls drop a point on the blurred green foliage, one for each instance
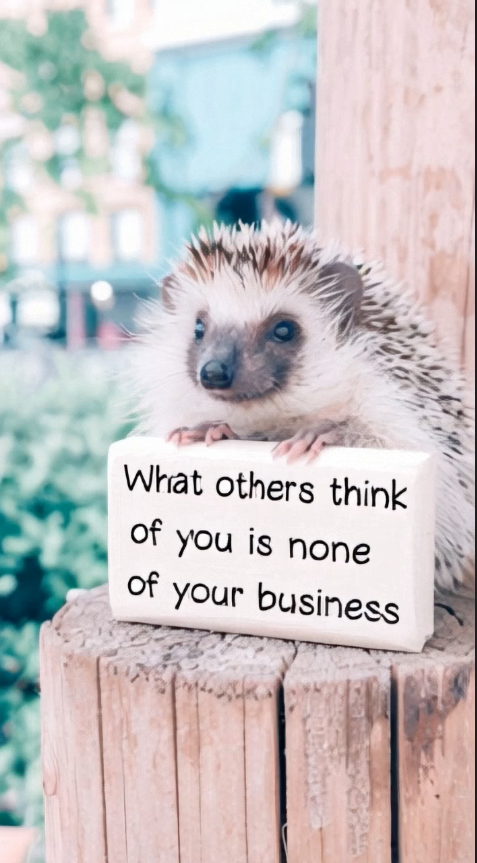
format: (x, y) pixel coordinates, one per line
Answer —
(58, 77)
(53, 456)
(308, 25)
(305, 28)
(56, 86)
(52, 85)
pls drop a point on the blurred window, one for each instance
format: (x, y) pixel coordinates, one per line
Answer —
(121, 12)
(125, 152)
(38, 309)
(128, 235)
(75, 237)
(19, 170)
(25, 240)
(286, 157)
(5, 310)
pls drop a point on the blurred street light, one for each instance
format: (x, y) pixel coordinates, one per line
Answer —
(102, 294)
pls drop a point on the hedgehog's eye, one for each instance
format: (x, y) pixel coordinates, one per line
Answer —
(199, 330)
(285, 331)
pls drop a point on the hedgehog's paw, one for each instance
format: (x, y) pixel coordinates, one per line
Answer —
(208, 433)
(219, 431)
(185, 436)
(310, 442)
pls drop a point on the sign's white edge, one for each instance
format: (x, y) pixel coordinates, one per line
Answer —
(339, 457)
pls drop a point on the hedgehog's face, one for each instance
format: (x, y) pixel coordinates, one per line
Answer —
(244, 362)
(259, 318)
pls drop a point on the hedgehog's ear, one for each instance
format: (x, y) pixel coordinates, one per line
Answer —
(343, 288)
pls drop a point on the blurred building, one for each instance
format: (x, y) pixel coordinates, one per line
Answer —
(242, 151)
(56, 242)
(246, 106)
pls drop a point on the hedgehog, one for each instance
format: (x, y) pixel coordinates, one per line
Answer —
(264, 333)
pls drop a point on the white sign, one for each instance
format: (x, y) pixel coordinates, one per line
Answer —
(340, 551)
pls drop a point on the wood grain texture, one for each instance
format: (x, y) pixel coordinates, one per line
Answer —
(163, 746)
(469, 341)
(15, 843)
(182, 729)
(396, 152)
(72, 750)
(338, 756)
(436, 744)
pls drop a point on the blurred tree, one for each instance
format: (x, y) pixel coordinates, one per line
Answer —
(308, 25)
(305, 28)
(61, 86)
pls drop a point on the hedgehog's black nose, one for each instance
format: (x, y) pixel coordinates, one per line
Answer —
(217, 375)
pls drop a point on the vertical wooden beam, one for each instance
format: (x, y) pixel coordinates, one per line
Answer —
(222, 770)
(262, 768)
(469, 341)
(338, 757)
(72, 751)
(436, 744)
(140, 777)
(51, 744)
(159, 745)
(395, 155)
(228, 751)
(162, 745)
(188, 767)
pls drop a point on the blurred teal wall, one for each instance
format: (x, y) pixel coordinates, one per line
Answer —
(229, 96)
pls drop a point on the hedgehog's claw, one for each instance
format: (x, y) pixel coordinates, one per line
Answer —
(311, 442)
(185, 436)
(208, 433)
(221, 431)
(332, 438)
(282, 448)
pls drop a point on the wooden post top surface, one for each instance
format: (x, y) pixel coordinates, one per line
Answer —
(86, 626)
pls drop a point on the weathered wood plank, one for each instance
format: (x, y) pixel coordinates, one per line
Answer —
(339, 788)
(186, 755)
(140, 763)
(222, 769)
(228, 761)
(188, 769)
(72, 748)
(338, 756)
(112, 732)
(469, 342)
(262, 770)
(396, 152)
(436, 744)
(55, 804)
(162, 746)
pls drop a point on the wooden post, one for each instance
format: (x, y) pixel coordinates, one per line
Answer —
(168, 746)
(183, 730)
(339, 756)
(436, 717)
(15, 844)
(395, 156)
